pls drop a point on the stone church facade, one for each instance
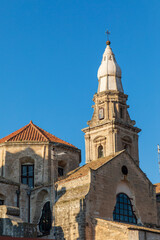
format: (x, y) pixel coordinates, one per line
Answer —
(45, 193)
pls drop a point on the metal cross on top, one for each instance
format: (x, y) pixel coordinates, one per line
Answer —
(108, 42)
(108, 33)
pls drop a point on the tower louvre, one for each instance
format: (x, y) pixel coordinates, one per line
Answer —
(110, 129)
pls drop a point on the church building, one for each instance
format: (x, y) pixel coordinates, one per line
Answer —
(45, 193)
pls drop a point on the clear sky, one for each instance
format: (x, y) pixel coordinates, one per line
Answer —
(50, 51)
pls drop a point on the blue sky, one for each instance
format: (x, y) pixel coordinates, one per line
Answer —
(50, 51)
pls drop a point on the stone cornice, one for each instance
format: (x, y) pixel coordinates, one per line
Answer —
(115, 122)
(120, 94)
(23, 143)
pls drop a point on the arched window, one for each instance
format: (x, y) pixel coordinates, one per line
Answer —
(100, 151)
(45, 223)
(123, 211)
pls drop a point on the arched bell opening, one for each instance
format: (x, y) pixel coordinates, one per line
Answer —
(100, 151)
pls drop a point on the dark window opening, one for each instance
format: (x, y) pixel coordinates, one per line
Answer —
(1, 202)
(158, 197)
(101, 113)
(45, 222)
(27, 175)
(60, 171)
(127, 147)
(123, 211)
(100, 151)
(124, 170)
(121, 112)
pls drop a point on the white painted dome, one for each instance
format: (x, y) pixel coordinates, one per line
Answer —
(109, 72)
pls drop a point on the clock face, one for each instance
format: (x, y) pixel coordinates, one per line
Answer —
(101, 113)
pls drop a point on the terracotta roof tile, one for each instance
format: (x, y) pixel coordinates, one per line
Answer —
(157, 185)
(82, 171)
(31, 132)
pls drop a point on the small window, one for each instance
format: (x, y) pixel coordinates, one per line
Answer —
(124, 170)
(123, 211)
(100, 151)
(60, 171)
(101, 113)
(27, 175)
(1, 202)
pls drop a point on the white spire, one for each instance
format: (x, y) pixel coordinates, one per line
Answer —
(109, 73)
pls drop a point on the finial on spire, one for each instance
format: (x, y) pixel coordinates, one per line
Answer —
(31, 121)
(108, 33)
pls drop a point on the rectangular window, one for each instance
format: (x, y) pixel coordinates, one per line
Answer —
(27, 175)
(1, 202)
(101, 113)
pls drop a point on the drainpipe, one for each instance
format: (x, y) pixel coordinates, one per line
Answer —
(18, 193)
(54, 212)
(29, 203)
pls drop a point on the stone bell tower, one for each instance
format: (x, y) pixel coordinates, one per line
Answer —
(110, 129)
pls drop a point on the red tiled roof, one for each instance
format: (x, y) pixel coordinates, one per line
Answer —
(31, 132)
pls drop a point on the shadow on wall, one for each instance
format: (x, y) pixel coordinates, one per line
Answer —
(12, 226)
(8, 227)
(81, 220)
(70, 227)
(59, 234)
(14, 161)
(58, 231)
(10, 174)
(40, 199)
(59, 193)
(38, 177)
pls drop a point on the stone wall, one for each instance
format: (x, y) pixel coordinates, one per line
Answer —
(45, 161)
(12, 225)
(15, 154)
(118, 231)
(96, 193)
(108, 231)
(108, 181)
(158, 212)
(113, 132)
(70, 208)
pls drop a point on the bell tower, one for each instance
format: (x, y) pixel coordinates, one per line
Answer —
(110, 129)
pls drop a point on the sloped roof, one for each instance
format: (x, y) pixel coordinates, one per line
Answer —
(82, 171)
(32, 133)
(128, 226)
